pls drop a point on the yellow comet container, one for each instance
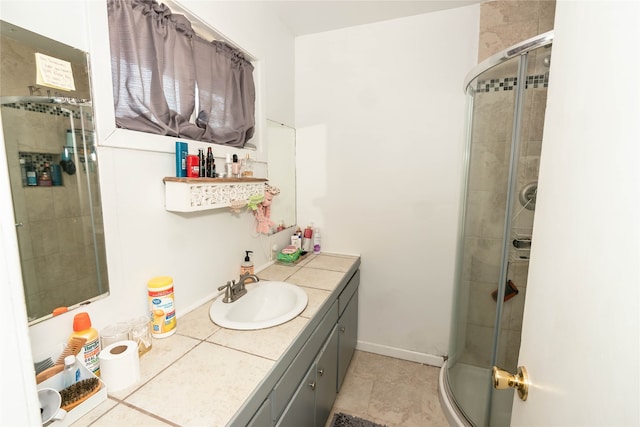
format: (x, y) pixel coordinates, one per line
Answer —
(162, 306)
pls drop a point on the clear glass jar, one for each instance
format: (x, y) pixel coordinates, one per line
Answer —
(140, 332)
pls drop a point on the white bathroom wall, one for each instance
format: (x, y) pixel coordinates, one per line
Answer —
(18, 406)
(380, 114)
(201, 251)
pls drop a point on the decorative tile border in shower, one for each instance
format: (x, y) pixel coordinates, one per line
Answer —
(35, 107)
(509, 83)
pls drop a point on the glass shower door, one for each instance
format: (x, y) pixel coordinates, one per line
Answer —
(504, 139)
(492, 97)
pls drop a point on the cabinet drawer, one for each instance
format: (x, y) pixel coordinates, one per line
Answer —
(287, 385)
(348, 291)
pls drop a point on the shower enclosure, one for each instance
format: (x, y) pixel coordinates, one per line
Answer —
(506, 104)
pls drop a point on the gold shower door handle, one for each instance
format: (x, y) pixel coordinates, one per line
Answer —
(502, 379)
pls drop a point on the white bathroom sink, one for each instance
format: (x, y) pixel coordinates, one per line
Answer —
(266, 304)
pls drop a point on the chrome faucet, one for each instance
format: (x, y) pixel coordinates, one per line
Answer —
(233, 291)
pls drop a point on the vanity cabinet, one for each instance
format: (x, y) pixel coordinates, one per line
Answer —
(313, 399)
(306, 388)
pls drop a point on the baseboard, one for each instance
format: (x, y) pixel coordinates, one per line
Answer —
(398, 353)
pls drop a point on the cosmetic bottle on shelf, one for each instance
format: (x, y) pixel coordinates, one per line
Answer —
(235, 167)
(44, 179)
(32, 175)
(247, 166)
(202, 163)
(210, 164)
(228, 164)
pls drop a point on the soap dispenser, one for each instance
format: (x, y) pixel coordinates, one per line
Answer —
(247, 265)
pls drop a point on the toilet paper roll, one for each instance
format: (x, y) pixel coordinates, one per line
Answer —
(120, 365)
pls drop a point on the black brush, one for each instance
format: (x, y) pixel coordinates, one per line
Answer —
(78, 392)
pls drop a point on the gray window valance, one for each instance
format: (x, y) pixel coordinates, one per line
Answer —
(160, 65)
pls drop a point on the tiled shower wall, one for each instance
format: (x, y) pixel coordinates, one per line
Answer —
(503, 24)
(55, 233)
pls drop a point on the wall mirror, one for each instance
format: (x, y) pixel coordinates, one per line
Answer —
(282, 172)
(47, 119)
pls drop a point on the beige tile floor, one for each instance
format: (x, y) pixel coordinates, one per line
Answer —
(391, 392)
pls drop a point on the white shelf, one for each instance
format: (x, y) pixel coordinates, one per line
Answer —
(199, 194)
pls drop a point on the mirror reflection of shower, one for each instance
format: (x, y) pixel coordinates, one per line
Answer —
(49, 141)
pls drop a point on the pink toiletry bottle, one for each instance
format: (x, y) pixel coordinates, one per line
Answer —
(307, 239)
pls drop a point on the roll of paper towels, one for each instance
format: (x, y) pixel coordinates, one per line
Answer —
(120, 365)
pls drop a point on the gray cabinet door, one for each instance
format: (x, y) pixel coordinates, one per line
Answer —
(300, 412)
(288, 384)
(347, 337)
(262, 417)
(327, 376)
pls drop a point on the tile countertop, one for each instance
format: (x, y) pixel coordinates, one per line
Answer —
(203, 374)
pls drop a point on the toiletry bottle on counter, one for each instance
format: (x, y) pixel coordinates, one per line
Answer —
(316, 241)
(295, 241)
(307, 239)
(89, 353)
(161, 306)
(247, 266)
(71, 371)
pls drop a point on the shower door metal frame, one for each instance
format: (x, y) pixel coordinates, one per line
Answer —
(511, 194)
(521, 48)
